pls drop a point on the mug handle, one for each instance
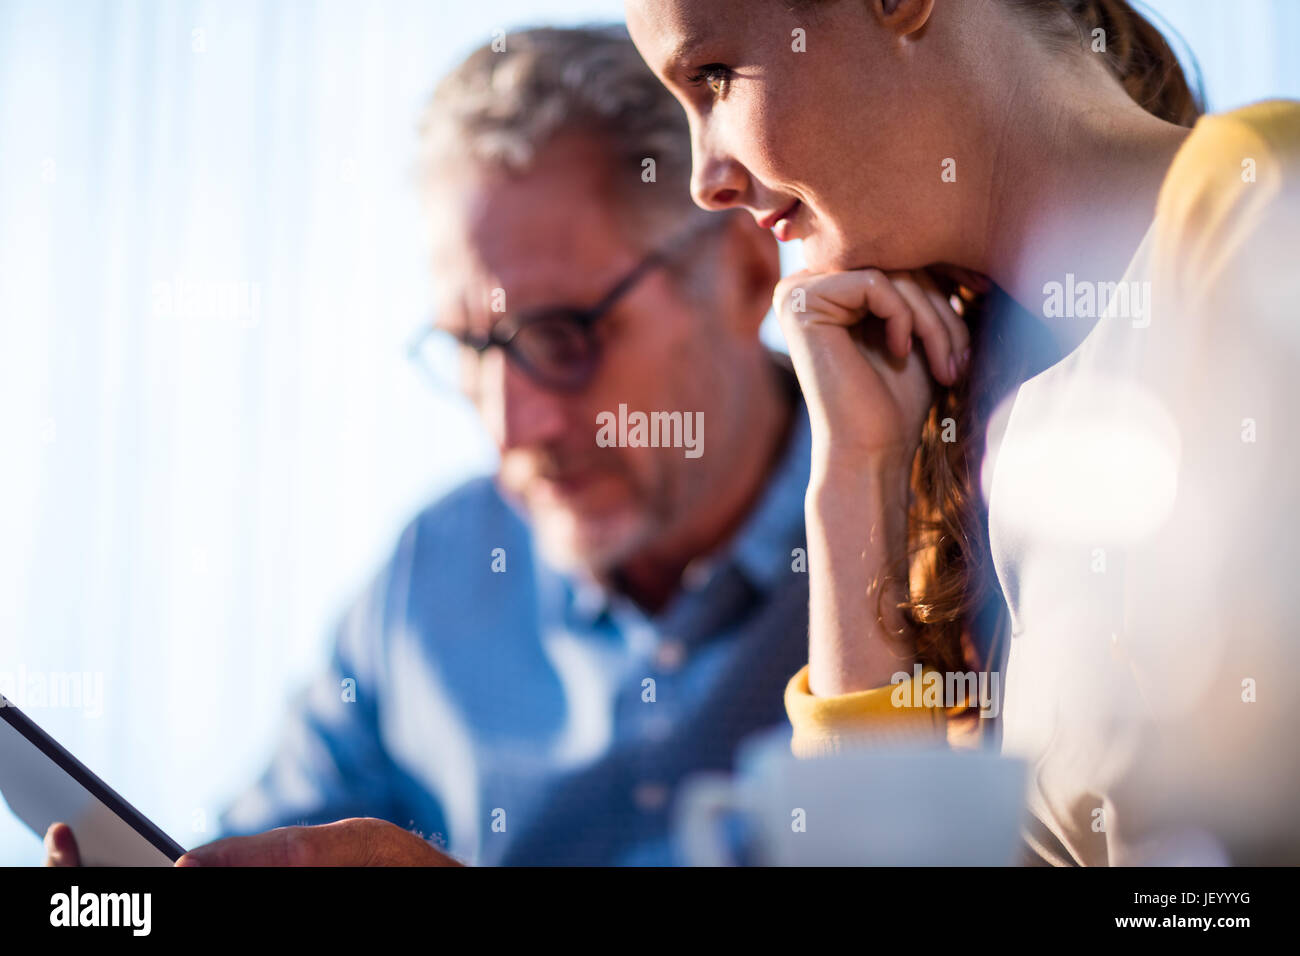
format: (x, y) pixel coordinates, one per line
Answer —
(703, 803)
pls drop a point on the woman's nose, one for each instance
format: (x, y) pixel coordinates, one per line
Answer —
(717, 179)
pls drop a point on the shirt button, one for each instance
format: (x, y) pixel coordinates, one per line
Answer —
(670, 654)
(650, 796)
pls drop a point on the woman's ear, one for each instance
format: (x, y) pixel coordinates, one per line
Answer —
(902, 17)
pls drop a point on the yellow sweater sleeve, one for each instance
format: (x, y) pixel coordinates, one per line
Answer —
(824, 725)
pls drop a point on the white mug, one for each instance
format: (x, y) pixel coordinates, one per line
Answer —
(916, 807)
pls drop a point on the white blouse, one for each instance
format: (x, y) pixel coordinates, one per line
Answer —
(1144, 512)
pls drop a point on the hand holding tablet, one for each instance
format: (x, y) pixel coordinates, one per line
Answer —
(43, 784)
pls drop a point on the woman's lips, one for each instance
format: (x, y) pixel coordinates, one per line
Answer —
(782, 224)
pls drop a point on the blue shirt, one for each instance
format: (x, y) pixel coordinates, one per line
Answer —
(525, 717)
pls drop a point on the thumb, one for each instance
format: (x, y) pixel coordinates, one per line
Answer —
(61, 846)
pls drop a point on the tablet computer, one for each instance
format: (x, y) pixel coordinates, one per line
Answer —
(44, 784)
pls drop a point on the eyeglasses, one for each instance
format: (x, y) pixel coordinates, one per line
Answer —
(556, 346)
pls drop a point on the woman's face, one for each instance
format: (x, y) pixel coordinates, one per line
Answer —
(825, 123)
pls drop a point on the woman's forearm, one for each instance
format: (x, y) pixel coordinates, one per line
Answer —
(856, 517)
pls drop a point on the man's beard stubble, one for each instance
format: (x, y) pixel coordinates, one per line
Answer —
(571, 540)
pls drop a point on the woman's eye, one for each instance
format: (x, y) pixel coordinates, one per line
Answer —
(715, 76)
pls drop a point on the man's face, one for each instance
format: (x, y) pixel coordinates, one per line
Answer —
(553, 237)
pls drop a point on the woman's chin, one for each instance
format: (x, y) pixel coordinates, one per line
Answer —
(815, 256)
(825, 254)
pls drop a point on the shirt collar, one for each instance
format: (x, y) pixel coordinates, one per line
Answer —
(762, 548)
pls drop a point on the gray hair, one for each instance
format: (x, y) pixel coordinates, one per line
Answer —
(499, 107)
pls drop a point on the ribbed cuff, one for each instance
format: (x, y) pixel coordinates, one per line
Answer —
(882, 715)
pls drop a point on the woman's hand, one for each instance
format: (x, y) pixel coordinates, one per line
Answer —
(851, 336)
(868, 392)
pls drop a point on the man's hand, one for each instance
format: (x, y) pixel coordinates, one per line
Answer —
(359, 841)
